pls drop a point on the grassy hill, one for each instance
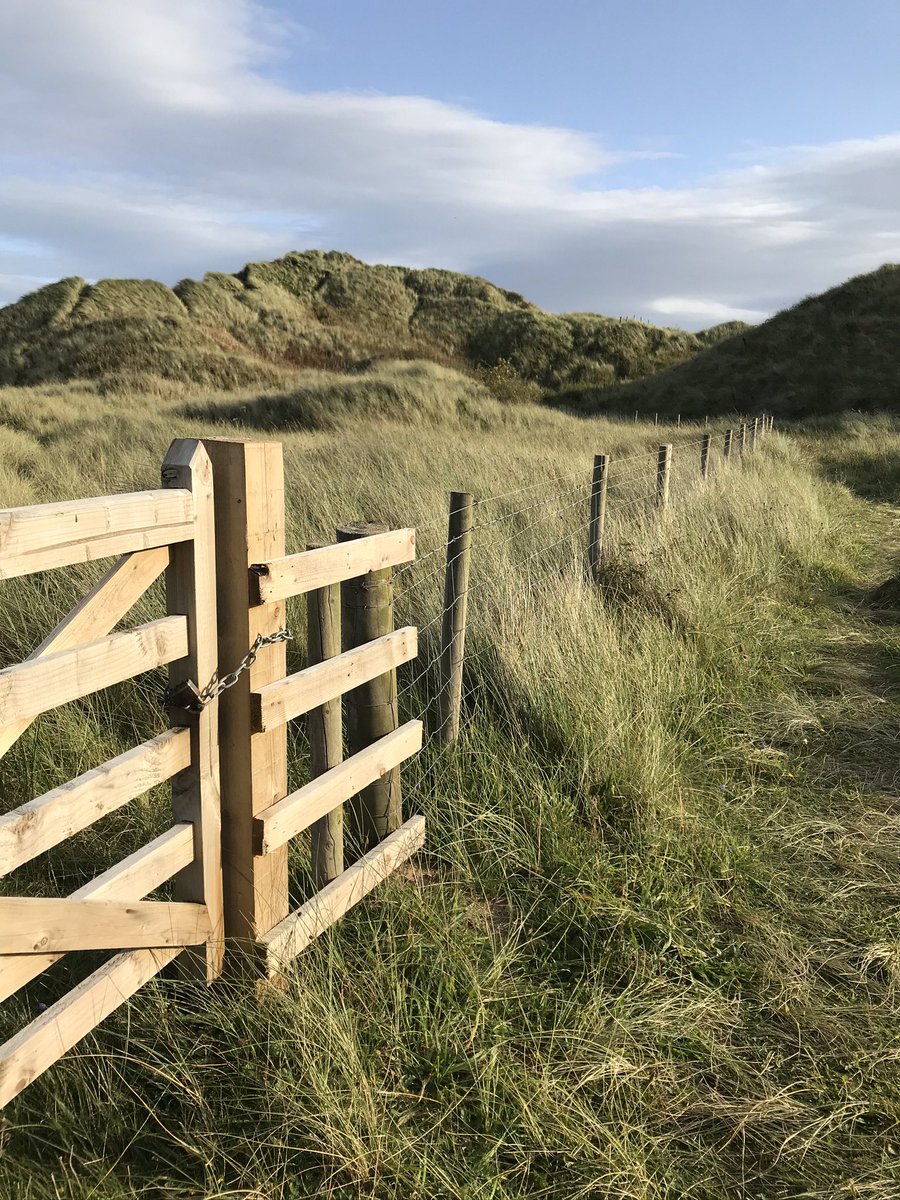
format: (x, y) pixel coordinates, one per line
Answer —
(314, 310)
(836, 351)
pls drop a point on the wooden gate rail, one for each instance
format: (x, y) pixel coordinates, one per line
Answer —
(171, 530)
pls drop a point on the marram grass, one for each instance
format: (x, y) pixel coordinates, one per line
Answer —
(651, 950)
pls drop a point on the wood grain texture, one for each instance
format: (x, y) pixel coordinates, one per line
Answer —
(296, 574)
(280, 702)
(34, 925)
(44, 536)
(299, 810)
(249, 501)
(114, 595)
(297, 931)
(33, 687)
(196, 790)
(131, 879)
(39, 1045)
(42, 823)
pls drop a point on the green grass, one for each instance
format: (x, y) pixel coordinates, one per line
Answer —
(651, 950)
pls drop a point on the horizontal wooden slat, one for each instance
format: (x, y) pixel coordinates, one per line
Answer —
(279, 702)
(131, 879)
(44, 536)
(97, 613)
(299, 573)
(285, 941)
(296, 812)
(40, 1044)
(36, 826)
(43, 683)
(32, 925)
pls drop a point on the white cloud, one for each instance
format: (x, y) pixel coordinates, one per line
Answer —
(145, 138)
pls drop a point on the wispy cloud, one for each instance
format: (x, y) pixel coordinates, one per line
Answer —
(147, 139)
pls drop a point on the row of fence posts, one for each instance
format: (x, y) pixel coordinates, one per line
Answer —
(459, 547)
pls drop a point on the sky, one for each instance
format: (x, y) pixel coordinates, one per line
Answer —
(686, 163)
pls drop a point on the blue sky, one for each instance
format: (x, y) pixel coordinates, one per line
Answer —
(686, 162)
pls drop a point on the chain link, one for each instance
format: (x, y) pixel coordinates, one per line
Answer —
(200, 697)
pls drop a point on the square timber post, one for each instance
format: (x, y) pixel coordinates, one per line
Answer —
(249, 506)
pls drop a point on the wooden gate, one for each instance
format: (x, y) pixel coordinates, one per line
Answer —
(170, 530)
(230, 699)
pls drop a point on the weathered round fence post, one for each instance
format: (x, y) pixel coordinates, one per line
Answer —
(729, 436)
(754, 430)
(325, 728)
(704, 456)
(597, 521)
(367, 613)
(663, 475)
(453, 625)
(742, 435)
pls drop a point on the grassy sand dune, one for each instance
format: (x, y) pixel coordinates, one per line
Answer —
(651, 950)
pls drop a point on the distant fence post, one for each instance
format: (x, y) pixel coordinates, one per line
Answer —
(597, 521)
(453, 624)
(663, 475)
(742, 434)
(754, 430)
(325, 728)
(249, 506)
(704, 456)
(729, 434)
(367, 613)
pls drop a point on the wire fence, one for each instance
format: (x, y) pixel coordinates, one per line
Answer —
(505, 527)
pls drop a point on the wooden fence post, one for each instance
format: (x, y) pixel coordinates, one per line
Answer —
(663, 475)
(325, 728)
(367, 613)
(597, 521)
(742, 435)
(191, 591)
(704, 456)
(453, 625)
(249, 503)
(754, 429)
(729, 435)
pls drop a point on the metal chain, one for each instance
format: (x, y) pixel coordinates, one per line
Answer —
(200, 697)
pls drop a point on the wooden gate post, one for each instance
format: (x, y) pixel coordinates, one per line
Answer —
(597, 522)
(191, 591)
(663, 475)
(704, 456)
(249, 501)
(367, 613)
(453, 625)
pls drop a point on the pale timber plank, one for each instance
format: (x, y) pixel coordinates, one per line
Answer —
(45, 822)
(249, 496)
(196, 795)
(43, 536)
(288, 698)
(100, 611)
(299, 810)
(40, 1044)
(131, 879)
(43, 683)
(298, 573)
(302, 927)
(30, 925)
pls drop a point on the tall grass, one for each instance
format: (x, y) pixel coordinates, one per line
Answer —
(651, 948)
